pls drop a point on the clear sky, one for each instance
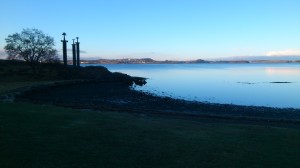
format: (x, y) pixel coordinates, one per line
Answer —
(161, 29)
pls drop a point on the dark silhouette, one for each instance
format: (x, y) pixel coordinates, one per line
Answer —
(31, 45)
(78, 52)
(74, 53)
(64, 41)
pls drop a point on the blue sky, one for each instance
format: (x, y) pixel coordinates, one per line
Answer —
(161, 29)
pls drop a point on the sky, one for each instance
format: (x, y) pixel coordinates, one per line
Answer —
(161, 29)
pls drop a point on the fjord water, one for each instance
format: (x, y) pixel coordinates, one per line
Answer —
(272, 85)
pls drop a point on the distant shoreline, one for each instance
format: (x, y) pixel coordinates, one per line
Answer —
(198, 61)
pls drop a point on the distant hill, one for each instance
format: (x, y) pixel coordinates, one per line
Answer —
(139, 61)
(256, 58)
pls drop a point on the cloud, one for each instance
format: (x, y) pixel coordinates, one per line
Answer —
(288, 52)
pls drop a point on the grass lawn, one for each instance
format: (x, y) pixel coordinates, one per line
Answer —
(8, 86)
(37, 136)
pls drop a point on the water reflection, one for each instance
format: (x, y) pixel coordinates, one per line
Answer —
(283, 71)
(222, 83)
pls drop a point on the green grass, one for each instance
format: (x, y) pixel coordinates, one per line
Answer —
(9, 86)
(16, 74)
(45, 136)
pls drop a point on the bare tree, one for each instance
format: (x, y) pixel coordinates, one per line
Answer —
(31, 45)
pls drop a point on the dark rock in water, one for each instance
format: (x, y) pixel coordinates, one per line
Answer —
(248, 83)
(129, 80)
(281, 82)
(139, 81)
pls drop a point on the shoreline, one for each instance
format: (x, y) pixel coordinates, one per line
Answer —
(117, 96)
(196, 100)
(95, 87)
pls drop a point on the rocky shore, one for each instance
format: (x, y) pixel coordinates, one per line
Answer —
(117, 95)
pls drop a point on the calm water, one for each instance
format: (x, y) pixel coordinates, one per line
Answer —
(243, 84)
